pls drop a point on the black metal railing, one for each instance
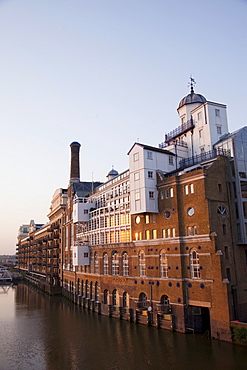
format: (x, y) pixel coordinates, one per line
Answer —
(184, 127)
(202, 157)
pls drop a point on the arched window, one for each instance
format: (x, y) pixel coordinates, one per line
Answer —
(194, 265)
(142, 303)
(125, 261)
(142, 264)
(96, 290)
(91, 290)
(115, 297)
(105, 264)
(163, 264)
(106, 296)
(96, 263)
(125, 299)
(82, 288)
(87, 289)
(115, 264)
(78, 287)
(165, 304)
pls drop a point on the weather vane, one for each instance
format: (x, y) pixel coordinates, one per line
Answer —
(192, 84)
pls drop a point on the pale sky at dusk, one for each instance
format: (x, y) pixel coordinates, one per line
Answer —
(105, 73)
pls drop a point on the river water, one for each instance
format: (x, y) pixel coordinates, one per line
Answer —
(41, 332)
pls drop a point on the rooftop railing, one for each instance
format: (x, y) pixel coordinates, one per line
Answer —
(202, 157)
(184, 127)
(178, 142)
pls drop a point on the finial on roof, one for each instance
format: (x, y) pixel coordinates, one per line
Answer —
(192, 84)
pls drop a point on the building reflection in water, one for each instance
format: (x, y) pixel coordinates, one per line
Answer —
(43, 332)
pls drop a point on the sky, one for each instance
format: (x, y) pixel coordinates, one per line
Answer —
(105, 73)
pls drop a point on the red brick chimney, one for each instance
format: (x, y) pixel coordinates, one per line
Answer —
(75, 162)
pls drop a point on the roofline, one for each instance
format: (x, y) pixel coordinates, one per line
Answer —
(153, 148)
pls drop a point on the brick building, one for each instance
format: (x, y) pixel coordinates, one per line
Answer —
(158, 244)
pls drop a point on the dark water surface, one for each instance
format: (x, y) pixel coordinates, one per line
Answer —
(42, 332)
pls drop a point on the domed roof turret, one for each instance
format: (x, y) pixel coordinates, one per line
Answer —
(192, 97)
(111, 174)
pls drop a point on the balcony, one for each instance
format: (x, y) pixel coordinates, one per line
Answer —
(182, 129)
(202, 157)
(178, 142)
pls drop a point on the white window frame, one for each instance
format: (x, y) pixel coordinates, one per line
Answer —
(194, 265)
(125, 266)
(142, 264)
(163, 265)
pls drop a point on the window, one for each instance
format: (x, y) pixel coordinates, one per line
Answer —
(219, 131)
(151, 195)
(105, 264)
(142, 264)
(199, 116)
(153, 218)
(154, 234)
(167, 214)
(115, 264)
(106, 296)
(194, 265)
(136, 157)
(189, 189)
(169, 193)
(200, 133)
(125, 299)
(220, 188)
(85, 211)
(186, 189)
(191, 230)
(161, 195)
(173, 232)
(190, 211)
(217, 112)
(136, 176)
(96, 291)
(85, 255)
(165, 304)
(147, 234)
(149, 155)
(96, 263)
(171, 159)
(163, 265)
(125, 266)
(150, 174)
(226, 253)
(137, 195)
(137, 220)
(147, 219)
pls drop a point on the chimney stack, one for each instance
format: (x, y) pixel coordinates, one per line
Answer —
(75, 162)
